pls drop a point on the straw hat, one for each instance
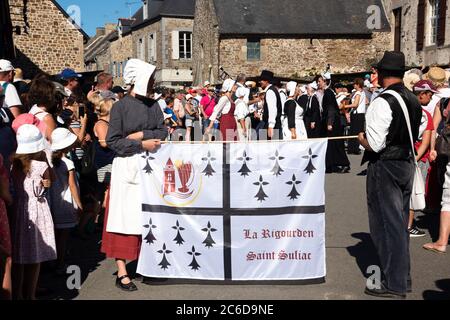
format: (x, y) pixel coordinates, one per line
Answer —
(436, 75)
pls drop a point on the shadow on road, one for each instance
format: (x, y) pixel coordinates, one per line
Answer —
(364, 252)
(82, 253)
(443, 285)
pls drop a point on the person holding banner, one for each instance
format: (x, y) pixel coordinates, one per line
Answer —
(136, 125)
(390, 175)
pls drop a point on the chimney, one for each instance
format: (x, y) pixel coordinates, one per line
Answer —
(110, 27)
(145, 9)
(100, 31)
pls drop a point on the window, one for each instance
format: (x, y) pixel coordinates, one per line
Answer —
(152, 47)
(118, 69)
(114, 69)
(434, 20)
(141, 49)
(185, 45)
(253, 49)
(398, 29)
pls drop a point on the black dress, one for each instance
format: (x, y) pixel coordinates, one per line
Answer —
(336, 157)
(312, 115)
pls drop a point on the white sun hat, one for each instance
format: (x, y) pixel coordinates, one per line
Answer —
(138, 73)
(62, 139)
(29, 140)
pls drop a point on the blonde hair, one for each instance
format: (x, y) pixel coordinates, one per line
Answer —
(95, 98)
(104, 107)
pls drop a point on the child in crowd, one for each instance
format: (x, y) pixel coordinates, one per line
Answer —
(5, 237)
(32, 225)
(65, 198)
(424, 91)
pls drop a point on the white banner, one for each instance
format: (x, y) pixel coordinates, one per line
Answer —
(234, 212)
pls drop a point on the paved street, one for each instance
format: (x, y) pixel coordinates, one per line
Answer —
(349, 253)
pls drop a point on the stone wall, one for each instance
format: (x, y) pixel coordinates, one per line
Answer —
(287, 57)
(431, 54)
(303, 57)
(48, 42)
(206, 43)
(144, 34)
(121, 50)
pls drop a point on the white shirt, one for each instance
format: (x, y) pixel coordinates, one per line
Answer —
(443, 93)
(283, 99)
(362, 102)
(11, 96)
(247, 92)
(242, 110)
(222, 107)
(271, 100)
(378, 119)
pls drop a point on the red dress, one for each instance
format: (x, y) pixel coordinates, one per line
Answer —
(119, 246)
(228, 125)
(5, 235)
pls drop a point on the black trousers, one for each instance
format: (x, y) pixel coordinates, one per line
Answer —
(389, 187)
(357, 123)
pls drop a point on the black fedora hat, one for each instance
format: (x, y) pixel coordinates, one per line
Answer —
(266, 75)
(392, 61)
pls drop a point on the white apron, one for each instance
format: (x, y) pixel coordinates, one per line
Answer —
(125, 204)
(299, 125)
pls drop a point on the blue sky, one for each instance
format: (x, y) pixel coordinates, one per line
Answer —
(95, 13)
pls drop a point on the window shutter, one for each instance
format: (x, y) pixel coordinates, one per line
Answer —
(175, 45)
(441, 22)
(155, 54)
(421, 25)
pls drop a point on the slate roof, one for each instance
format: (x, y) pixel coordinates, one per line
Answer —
(296, 17)
(164, 8)
(100, 45)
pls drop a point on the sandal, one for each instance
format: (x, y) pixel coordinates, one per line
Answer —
(432, 247)
(125, 287)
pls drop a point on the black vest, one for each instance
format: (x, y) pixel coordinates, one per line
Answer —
(398, 144)
(279, 109)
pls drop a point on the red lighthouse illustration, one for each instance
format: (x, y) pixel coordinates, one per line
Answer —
(169, 178)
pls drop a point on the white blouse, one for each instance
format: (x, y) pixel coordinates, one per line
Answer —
(222, 107)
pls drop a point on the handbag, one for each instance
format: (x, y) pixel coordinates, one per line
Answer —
(417, 201)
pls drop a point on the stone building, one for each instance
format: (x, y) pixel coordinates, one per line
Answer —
(421, 30)
(97, 51)
(160, 32)
(293, 38)
(45, 37)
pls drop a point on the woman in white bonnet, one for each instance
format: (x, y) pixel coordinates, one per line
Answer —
(136, 125)
(242, 115)
(293, 125)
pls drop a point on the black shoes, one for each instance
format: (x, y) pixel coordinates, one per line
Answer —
(382, 292)
(130, 287)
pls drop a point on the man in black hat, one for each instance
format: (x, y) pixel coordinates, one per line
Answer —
(390, 176)
(273, 107)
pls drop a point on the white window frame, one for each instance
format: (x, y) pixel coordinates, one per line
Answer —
(152, 47)
(141, 49)
(185, 36)
(433, 26)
